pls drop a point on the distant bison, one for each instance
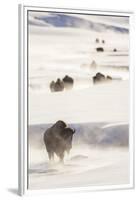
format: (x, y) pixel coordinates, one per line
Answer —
(97, 40)
(93, 65)
(103, 41)
(68, 82)
(57, 86)
(109, 78)
(114, 50)
(52, 86)
(98, 78)
(99, 49)
(58, 139)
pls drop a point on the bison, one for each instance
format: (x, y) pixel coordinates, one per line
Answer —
(98, 78)
(57, 86)
(99, 49)
(58, 140)
(109, 78)
(97, 40)
(114, 50)
(93, 65)
(52, 86)
(68, 82)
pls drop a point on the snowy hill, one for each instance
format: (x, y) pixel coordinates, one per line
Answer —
(71, 21)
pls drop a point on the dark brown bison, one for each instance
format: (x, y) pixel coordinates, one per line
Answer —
(108, 78)
(98, 78)
(52, 86)
(114, 50)
(58, 139)
(68, 82)
(93, 65)
(103, 41)
(97, 40)
(57, 86)
(99, 49)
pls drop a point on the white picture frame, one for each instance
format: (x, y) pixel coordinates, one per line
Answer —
(23, 101)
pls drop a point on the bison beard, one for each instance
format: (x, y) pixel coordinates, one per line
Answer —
(58, 139)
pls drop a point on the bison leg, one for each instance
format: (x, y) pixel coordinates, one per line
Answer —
(51, 156)
(61, 156)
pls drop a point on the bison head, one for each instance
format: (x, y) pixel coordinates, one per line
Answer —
(68, 135)
(60, 124)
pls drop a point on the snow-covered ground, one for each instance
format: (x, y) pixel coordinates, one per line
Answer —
(100, 156)
(98, 103)
(69, 48)
(83, 168)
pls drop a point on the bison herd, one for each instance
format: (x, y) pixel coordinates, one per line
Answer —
(67, 82)
(60, 85)
(99, 77)
(101, 49)
(58, 140)
(98, 41)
